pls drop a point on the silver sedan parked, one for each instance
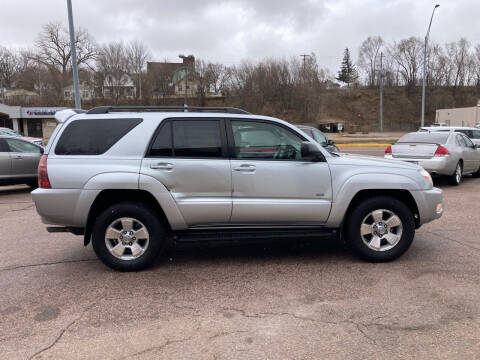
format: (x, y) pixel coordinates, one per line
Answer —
(18, 161)
(451, 154)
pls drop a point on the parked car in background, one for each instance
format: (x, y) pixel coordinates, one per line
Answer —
(135, 179)
(10, 132)
(448, 153)
(18, 161)
(471, 132)
(319, 137)
(439, 124)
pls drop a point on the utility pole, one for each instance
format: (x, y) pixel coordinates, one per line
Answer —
(304, 56)
(380, 114)
(78, 104)
(186, 82)
(422, 123)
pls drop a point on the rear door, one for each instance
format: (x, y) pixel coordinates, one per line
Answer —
(189, 157)
(271, 183)
(5, 161)
(25, 157)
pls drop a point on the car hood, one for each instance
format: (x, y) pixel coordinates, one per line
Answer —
(374, 161)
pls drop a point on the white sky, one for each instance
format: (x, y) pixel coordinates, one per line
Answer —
(231, 31)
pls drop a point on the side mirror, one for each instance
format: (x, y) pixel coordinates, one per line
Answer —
(310, 152)
(330, 142)
(42, 150)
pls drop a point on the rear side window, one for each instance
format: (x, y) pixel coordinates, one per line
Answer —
(436, 137)
(93, 137)
(21, 146)
(188, 138)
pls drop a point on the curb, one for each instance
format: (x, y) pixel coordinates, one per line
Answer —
(361, 145)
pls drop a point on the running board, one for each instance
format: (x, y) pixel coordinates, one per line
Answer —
(247, 235)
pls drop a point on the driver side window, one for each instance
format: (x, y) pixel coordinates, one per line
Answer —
(261, 140)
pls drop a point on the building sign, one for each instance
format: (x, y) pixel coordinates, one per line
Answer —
(41, 112)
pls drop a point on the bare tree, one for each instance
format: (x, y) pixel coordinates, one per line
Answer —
(10, 66)
(408, 55)
(138, 55)
(460, 58)
(368, 54)
(113, 64)
(53, 46)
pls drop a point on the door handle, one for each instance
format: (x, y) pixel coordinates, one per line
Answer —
(20, 157)
(162, 166)
(245, 168)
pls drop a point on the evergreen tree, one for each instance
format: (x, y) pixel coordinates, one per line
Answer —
(347, 73)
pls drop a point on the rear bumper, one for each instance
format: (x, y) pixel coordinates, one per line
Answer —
(438, 165)
(64, 207)
(430, 204)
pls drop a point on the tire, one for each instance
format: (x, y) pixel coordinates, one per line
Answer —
(380, 250)
(33, 184)
(477, 173)
(456, 177)
(125, 222)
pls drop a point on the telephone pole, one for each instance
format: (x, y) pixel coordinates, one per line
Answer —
(304, 56)
(380, 113)
(422, 121)
(78, 104)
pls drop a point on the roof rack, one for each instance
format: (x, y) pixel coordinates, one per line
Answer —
(108, 109)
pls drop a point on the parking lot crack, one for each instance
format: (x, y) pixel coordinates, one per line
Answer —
(44, 264)
(62, 332)
(161, 347)
(454, 240)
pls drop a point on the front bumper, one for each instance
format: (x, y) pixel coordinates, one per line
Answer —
(430, 204)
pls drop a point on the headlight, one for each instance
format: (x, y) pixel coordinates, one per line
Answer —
(426, 175)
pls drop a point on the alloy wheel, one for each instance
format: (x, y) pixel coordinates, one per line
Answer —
(127, 238)
(381, 230)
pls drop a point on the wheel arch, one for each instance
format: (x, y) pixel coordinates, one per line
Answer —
(110, 197)
(402, 195)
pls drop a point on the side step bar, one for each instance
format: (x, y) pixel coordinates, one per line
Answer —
(193, 236)
(73, 230)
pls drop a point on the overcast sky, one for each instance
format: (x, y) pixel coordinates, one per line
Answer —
(231, 31)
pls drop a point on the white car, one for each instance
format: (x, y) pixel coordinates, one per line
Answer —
(471, 132)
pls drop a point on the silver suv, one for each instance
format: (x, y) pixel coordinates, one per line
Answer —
(133, 180)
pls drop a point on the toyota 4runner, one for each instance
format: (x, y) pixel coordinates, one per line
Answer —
(133, 179)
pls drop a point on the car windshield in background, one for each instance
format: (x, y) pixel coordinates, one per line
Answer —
(425, 137)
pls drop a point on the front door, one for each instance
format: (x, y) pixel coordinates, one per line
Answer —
(25, 157)
(189, 157)
(271, 183)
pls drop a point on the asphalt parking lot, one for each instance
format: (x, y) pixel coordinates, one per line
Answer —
(281, 301)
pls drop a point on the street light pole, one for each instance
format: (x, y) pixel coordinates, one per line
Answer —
(425, 67)
(76, 87)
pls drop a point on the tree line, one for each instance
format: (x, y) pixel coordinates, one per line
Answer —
(288, 84)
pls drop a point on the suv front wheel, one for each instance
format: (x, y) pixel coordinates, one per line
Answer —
(380, 229)
(128, 236)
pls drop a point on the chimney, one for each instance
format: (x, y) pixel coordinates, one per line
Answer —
(188, 61)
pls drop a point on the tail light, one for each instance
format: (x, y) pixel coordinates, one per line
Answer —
(441, 151)
(388, 150)
(43, 181)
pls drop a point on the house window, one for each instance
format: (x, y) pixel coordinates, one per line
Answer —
(67, 94)
(188, 87)
(179, 87)
(85, 94)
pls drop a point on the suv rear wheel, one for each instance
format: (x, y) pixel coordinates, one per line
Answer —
(128, 236)
(380, 229)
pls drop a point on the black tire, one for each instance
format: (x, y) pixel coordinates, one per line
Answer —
(359, 214)
(33, 184)
(454, 179)
(477, 173)
(140, 212)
